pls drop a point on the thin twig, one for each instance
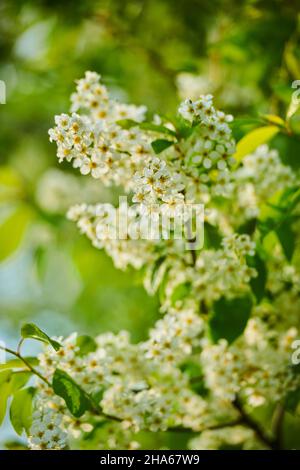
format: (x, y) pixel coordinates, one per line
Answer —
(33, 370)
(246, 419)
(20, 345)
(277, 426)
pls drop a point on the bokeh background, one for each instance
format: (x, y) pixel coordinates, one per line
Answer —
(153, 52)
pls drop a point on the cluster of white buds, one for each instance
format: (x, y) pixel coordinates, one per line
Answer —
(209, 151)
(261, 176)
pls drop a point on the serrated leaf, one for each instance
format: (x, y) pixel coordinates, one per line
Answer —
(229, 317)
(86, 344)
(160, 145)
(21, 409)
(253, 140)
(30, 330)
(76, 399)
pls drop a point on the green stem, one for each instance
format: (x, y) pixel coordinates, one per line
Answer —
(33, 370)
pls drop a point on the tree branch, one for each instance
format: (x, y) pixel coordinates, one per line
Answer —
(247, 420)
(33, 370)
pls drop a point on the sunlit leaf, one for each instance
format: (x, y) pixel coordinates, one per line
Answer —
(21, 409)
(160, 145)
(230, 317)
(77, 401)
(253, 140)
(86, 344)
(5, 389)
(18, 363)
(30, 330)
(9, 384)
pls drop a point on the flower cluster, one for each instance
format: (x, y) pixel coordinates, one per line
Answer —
(94, 142)
(138, 390)
(209, 155)
(152, 386)
(46, 432)
(216, 273)
(254, 367)
(261, 176)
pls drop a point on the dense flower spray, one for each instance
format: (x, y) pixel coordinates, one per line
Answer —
(223, 343)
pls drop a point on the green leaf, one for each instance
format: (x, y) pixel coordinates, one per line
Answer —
(292, 399)
(163, 285)
(230, 317)
(287, 239)
(288, 147)
(180, 292)
(157, 128)
(274, 119)
(19, 379)
(127, 123)
(156, 273)
(148, 126)
(258, 283)
(30, 330)
(5, 390)
(18, 364)
(12, 231)
(248, 226)
(212, 236)
(196, 377)
(77, 400)
(21, 409)
(243, 126)
(86, 344)
(160, 145)
(253, 140)
(9, 383)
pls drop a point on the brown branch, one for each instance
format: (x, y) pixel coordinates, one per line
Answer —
(277, 426)
(247, 420)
